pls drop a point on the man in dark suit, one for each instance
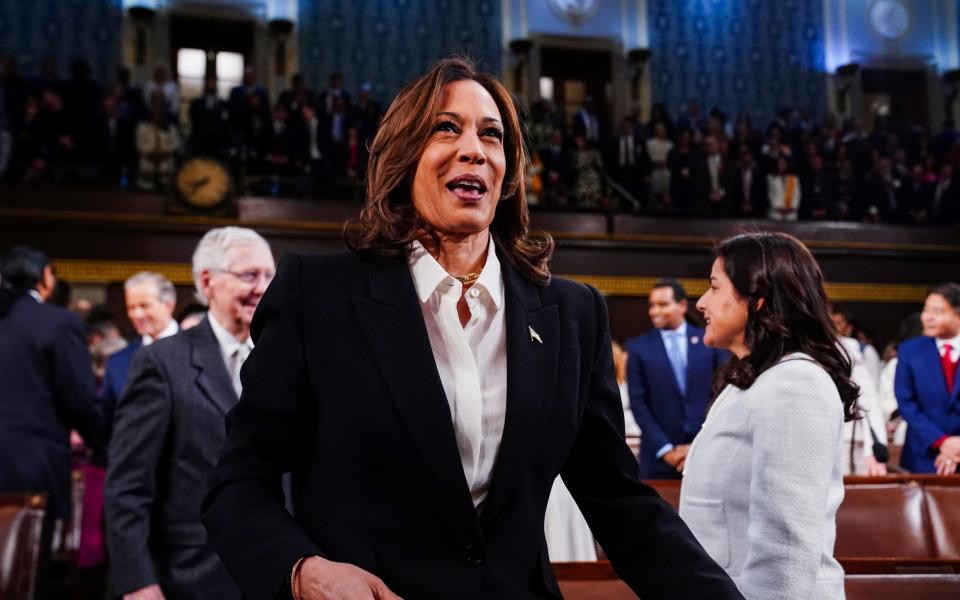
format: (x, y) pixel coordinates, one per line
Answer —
(208, 119)
(627, 157)
(669, 378)
(927, 386)
(47, 388)
(150, 300)
(169, 428)
(748, 187)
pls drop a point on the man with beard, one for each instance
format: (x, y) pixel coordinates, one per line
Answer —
(169, 428)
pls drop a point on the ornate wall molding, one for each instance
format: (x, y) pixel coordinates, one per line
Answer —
(105, 272)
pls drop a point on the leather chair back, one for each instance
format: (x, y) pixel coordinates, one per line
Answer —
(943, 505)
(21, 522)
(883, 520)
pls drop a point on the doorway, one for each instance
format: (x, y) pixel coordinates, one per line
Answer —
(571, 75)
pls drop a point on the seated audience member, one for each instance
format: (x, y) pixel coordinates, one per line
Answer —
(669, 378)
(48, 387)
(557, 174)
(926, 386)
(819, 190)
(208, 120)
(945, 203)
(158, 143)
(169, 428)
(683, 160)
(714, 171)
(748, 187)
(658, 150)
(167, 89)
(627, 158)
(783, 192)
(763, 479)
(150, 299)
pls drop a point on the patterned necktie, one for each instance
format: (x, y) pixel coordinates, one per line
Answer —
(949, 366)
(676, 361)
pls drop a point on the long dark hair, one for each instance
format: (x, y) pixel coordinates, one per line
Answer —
(794, 315)
(389, 221)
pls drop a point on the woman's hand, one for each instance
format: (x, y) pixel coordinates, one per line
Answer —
(874, 467)
(322, 579)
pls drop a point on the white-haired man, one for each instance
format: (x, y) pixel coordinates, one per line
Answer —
(150, 300)
(169, 428)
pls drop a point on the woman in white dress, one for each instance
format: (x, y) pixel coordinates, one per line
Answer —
(764, 477)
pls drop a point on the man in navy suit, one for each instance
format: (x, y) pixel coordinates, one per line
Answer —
(926, 385)
(669, 377)
(150, 300)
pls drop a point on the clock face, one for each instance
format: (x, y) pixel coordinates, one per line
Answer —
(575, 11)
(203, 182)
(889, 18)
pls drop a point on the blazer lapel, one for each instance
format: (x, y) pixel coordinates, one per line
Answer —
(392, 321)
(212, 377)
(532, 362)
(695, 355)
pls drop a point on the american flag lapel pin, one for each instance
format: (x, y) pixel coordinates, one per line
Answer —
(534, 336)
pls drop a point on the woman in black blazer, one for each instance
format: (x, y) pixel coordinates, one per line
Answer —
(425, 426)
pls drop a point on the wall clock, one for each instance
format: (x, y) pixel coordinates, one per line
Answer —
(889, 18)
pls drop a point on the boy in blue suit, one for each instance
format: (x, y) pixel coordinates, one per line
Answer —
(927, 389)
(669, 379)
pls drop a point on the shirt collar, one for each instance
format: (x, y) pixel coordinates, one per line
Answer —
(171, 329)
(680, 331)
(227, 342)
(428, 274)
(36, 295)
(954, 342)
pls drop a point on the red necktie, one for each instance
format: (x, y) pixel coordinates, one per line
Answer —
(949, 366)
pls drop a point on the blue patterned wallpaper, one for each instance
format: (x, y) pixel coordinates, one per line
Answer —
(65, 29)
(753, 55)
(390, 42)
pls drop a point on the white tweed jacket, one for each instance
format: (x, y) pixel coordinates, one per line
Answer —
(763, 481)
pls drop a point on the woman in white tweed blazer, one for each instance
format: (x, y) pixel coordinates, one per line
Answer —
(763, 478)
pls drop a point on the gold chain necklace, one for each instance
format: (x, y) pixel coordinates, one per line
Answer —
(467, 279)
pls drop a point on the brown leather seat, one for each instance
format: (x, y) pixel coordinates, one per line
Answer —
(902, 587)
(21, 521)
(883, 520)
(943, 506)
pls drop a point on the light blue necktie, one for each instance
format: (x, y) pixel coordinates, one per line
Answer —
(676, 361)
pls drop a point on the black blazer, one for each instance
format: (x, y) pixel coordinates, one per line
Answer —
(167, 435)
(343, 390)
(47, 388)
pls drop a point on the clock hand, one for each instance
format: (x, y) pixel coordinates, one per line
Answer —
(199, 183)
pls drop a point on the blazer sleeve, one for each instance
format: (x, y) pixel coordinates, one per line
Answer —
(269, 432)
(142, 421)
(649, 546)
(905, 388)
(74, 384)
(797, 423)
(637, 389)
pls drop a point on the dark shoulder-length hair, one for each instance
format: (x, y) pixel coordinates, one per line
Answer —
(389, 222)
(794, 315)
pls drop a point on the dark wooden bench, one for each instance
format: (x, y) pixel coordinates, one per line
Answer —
(21, 522)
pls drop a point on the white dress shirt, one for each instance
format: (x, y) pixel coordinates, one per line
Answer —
(234, 352)
(471, 360)
(35, 295)
(954, 347)
(171, 329)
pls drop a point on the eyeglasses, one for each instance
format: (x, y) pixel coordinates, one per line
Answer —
(249, 277)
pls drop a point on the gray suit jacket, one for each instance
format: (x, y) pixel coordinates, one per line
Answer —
(763, 481)
(168, 431)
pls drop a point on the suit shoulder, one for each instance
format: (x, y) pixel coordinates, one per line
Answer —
(797, 373)
(326, 267)
(568, 290)
(912, 344)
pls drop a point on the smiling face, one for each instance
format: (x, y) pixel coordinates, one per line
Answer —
(460, 174)
(939, 319)
(725, 313)
(148, 314)
(664, 310)
(232, 298)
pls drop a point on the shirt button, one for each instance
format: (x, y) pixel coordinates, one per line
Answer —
(474, 292)
(475, 554)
